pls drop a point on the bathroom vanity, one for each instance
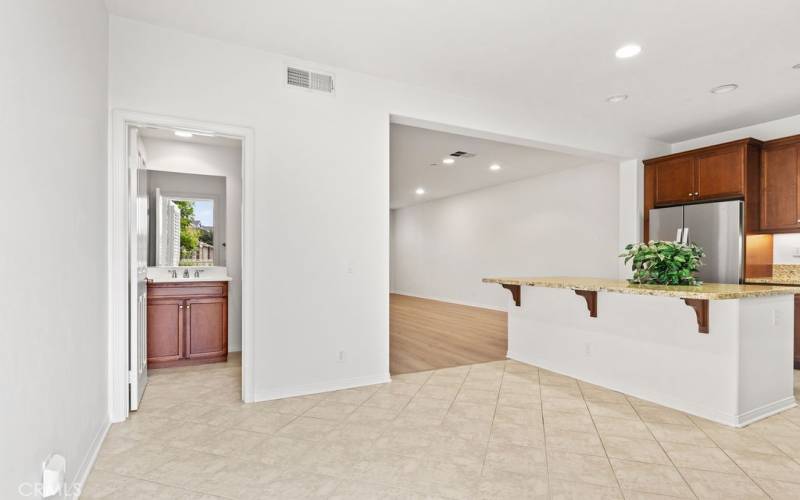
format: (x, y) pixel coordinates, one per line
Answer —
(187, 317)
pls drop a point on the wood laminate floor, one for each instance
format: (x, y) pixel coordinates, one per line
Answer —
(429, 335)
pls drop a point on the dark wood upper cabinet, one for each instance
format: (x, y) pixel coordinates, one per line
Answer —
(719, 173)
(780, 182)
(674, 181)
(187, 323)
(722, 172)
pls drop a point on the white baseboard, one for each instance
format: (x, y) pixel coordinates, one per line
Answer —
(316, 388)
(450, 301)
(85, 468)
(765, 411)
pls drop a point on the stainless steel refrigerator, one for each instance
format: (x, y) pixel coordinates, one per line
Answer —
(715, 227)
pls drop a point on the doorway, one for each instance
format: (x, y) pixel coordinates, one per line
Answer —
(133, 256)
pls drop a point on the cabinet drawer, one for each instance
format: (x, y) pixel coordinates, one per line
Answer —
(177, 290)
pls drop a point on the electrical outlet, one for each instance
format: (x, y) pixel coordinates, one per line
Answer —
(588, 349)
(341, 356)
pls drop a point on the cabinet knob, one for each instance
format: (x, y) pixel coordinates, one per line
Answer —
(180, 307)
(690, 194)
(697, 194)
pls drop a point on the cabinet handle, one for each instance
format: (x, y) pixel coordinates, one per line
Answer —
(697, 194)
(180, 307)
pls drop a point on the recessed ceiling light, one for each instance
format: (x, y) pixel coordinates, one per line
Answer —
(183, 133)
(494, 167)
(617, 98)
(724, 89)
(420, 191)
(449, 161)
(627, 51)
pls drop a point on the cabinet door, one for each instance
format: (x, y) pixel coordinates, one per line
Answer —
(720, 174)
(207, 325)
(674, 181)
(164, 330)
(779, 188)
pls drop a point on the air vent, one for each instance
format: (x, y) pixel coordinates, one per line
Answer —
(296, 77)
(462, 154)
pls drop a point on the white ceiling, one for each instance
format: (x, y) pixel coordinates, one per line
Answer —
(169, 135)
(413, 150)
(553, 59)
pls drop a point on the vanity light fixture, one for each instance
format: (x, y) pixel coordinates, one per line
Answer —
(724, 89)
(420, 191)
(448, 161)
(617, 98)
(627, 51)
(494, 167)
(183, 133)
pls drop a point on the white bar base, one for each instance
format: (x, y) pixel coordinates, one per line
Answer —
(649, 347)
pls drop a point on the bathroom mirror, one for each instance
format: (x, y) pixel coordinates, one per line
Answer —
(184, 233)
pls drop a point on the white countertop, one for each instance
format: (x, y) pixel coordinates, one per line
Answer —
(207, 273)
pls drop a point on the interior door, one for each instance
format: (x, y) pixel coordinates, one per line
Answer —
(137, 170)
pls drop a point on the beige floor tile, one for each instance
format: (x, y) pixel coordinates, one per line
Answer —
(584, 468)
(585, 443)
(614, 410)
(523, 435)
(515, 458)
(555, 421)
(639, 450)
(779, 490)
(650, 478)
(388, 400)
(679, 433)
(311, 429)
(504, 485)
(722, 486)
(331, 410)
(495, 430)
(265, 422)
(700, 458)
(607, 426)
(571, 490)
(765, 466)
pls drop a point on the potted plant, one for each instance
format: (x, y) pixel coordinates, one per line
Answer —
(664, 262)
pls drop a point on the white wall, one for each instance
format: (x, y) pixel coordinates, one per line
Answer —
(563, 223)
(204, 159)
(53, 304)
(321, 183)
(762, 131)
(786, 248)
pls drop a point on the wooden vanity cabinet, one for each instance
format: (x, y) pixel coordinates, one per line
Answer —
(780, 185)
(187, 323)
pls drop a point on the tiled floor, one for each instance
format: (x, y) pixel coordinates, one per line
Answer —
(494, 430)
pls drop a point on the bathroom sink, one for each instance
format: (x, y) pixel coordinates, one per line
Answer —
(196, 273)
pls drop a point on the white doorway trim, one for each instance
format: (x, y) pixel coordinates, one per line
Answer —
(118, 258)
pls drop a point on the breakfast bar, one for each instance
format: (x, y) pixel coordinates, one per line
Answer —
(722, 352)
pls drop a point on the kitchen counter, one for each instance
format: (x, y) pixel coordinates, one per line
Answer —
(774, 280)
(706, 291)
(721, 352)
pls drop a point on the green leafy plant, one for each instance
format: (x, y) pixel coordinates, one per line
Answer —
(664, 262)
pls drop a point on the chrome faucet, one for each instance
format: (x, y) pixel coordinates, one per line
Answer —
(185, 273)
(197, 272)
(174, 273)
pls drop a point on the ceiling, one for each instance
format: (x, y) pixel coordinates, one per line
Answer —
(169, 135)
(552, 59)
(414, 150)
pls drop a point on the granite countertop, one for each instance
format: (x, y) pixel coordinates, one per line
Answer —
(712, 291)
(774, 280)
